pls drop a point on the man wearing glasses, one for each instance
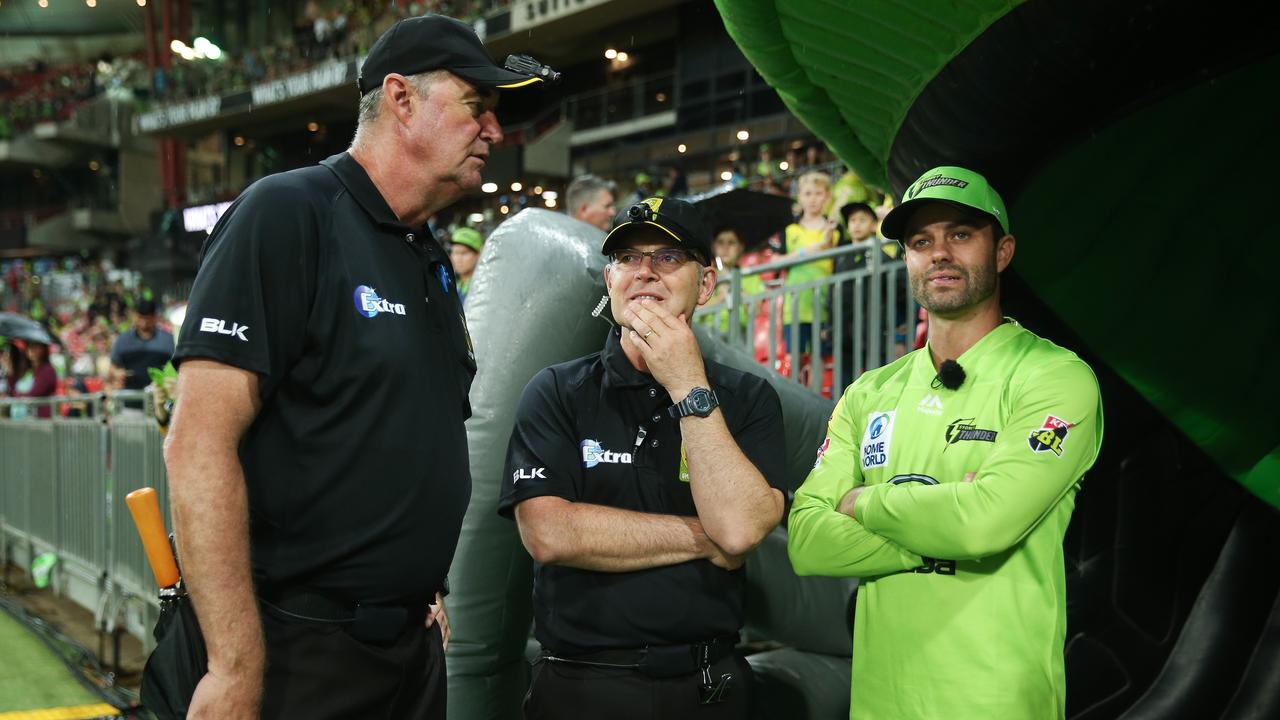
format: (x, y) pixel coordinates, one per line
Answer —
(639, 478)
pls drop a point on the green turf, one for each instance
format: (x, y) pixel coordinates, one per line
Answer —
(31, 676)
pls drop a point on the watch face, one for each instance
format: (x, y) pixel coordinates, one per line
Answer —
(701, 401)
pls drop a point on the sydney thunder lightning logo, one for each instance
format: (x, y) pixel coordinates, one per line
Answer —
(964, 430)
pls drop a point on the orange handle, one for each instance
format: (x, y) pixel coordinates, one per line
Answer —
(144, 505)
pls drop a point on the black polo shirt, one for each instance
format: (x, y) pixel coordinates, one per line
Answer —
(356, 465)
(596, 430)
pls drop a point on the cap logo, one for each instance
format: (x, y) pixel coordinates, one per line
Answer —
(653, 203)
(934, 181)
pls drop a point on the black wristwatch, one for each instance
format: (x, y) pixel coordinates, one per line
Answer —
(700, 401)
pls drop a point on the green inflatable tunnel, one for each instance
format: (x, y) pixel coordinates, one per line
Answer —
(1135, 145)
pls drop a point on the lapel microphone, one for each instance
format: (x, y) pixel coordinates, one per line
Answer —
(950, 375)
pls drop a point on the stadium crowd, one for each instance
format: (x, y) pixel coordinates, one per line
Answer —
(86, 303)
(38, 92)
(86, 306)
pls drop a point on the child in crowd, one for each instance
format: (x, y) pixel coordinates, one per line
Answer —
(729, 249)
(463, 253)
(860, 223)
(813, 233)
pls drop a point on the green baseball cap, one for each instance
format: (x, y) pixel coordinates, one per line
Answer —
(955, 185)
(468, 237)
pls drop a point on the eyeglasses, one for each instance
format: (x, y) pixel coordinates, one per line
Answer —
(662, 261)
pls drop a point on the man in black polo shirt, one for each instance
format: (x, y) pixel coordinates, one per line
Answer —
(640, 477)
(317, 459)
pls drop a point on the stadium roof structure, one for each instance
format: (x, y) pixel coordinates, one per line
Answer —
(66, 18)
(1134, 143)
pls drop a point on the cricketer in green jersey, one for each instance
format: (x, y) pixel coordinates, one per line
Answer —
(948, 491)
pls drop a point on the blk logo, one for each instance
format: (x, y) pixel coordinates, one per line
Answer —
(214, 325)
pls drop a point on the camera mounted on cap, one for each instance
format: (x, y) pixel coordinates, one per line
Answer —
(640, 212)
(528, 65)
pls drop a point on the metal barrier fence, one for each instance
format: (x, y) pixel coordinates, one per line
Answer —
(63, 480)
(861, 317)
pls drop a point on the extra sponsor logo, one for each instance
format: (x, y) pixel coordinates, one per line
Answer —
(963, 430)
(214, 325)
(876, 438)
(930, 404)
(528, 474)
(370, 305)
(1050, 436)
(594, 454)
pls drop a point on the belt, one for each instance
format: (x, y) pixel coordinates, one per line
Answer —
(659, 661)
(377, 624)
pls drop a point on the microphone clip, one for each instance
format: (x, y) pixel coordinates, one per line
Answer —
(950, 376)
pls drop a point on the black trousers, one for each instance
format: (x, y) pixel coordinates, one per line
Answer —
(319, 671)
(572, 692)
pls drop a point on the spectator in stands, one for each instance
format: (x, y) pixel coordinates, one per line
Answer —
(644, 187)
(728, 248)
(41, 379)
(812, 233)
(317, 457)
(591, 200)
(764, 165)
(464, 251)
(139, 348)
(676, 183)
(860, 223)
(851, 189)
(13, 366)
(812, 156)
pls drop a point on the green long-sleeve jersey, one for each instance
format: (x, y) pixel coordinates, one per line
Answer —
(961, 611)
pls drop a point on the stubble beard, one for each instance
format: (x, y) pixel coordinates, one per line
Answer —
(979, 286)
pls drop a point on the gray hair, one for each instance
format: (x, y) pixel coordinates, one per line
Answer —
(583, 189)
(371, 103)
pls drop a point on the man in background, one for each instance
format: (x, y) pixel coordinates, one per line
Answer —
(139, 348)
(590, 199)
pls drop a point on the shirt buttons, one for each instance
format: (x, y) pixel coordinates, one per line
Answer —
(657, 418)
(653, 443)
(408, 238)
(653, 392)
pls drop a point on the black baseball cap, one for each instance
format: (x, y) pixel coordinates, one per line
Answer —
(676, 218)
(435, 42)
